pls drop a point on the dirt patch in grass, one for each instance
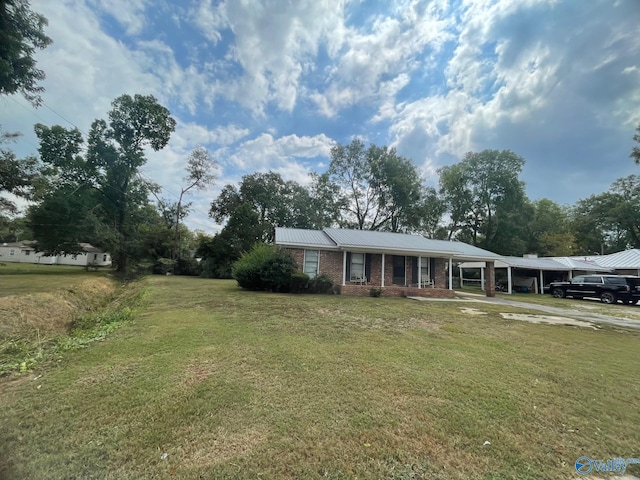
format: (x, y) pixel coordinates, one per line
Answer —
(107, 374)
(197, 372)
(202, 449)
(548, 319)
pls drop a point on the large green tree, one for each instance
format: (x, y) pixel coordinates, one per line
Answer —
(278, 203)
(379, 190)
(115, 151)
(610, 221)
(21, 33)
(549, 231)
(485, 199)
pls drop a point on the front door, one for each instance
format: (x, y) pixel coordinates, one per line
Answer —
(399, 269)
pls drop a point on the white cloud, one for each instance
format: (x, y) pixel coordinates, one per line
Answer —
(391, 48)
(275, 44)
(129, 13)
(265, 152)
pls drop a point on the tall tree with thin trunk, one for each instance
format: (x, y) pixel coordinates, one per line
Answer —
(200, 168)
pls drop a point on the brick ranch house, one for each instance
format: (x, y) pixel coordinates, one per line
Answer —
(399, 264)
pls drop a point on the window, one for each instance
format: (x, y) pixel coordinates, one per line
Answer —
(95, 256)
(577, 280)
(615, 280)
(424, 269)
(12, 252)
(311, 262)
(27, 252)
(357, 267)
(104, 257)
(592, 279)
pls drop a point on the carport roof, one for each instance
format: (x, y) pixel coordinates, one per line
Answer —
(629, 259)
(554, 264)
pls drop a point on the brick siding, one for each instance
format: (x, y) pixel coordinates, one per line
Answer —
(331, 263)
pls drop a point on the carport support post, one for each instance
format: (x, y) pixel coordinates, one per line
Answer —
(541, 284)
(509, 286)
(491, 280)
(482, 287)
(419, 271)
(344, 268)
(450, 273)
(461, 275)
(382, 281)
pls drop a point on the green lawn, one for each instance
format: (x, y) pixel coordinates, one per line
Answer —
(234, 384)
(27, 278)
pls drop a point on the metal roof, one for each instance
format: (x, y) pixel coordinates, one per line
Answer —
(553, 264)
(531, 263)
(303, 238)
(380, 241)
(629, 259)
(578, 264)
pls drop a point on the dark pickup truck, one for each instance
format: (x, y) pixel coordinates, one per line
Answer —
(608, 288)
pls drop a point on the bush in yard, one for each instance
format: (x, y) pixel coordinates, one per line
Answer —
(264, 268)
(321, 284)
(299, 282)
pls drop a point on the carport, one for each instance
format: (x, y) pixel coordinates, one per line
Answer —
(531, 273)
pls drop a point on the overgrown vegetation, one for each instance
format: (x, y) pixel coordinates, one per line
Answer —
(41, 324)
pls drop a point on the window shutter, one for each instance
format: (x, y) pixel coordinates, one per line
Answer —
(367, 266)
(414, 269)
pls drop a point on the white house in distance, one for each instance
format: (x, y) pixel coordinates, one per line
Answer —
(24, 252)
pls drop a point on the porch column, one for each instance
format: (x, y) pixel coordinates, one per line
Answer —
(482, 287)
(382, 282)
(461, 276)
(344, 268)
(419, 271)
(509, 286)
(491, 279)
(450, 273)
(570, 274)
(541, 287)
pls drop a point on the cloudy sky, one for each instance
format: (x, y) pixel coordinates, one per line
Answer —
(271, 85)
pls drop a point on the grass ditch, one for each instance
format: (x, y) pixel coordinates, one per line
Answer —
(42, 326)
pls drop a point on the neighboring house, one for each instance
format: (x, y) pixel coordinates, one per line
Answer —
(25, 252)
(531, 273)
(398, 264)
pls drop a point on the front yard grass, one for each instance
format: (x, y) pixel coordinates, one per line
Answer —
(235, 384)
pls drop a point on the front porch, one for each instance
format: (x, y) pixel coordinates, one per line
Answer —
(397, 291)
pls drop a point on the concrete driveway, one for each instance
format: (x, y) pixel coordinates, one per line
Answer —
(591, 317)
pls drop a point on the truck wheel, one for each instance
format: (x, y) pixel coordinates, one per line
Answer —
(558, 293)
(608, 297)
